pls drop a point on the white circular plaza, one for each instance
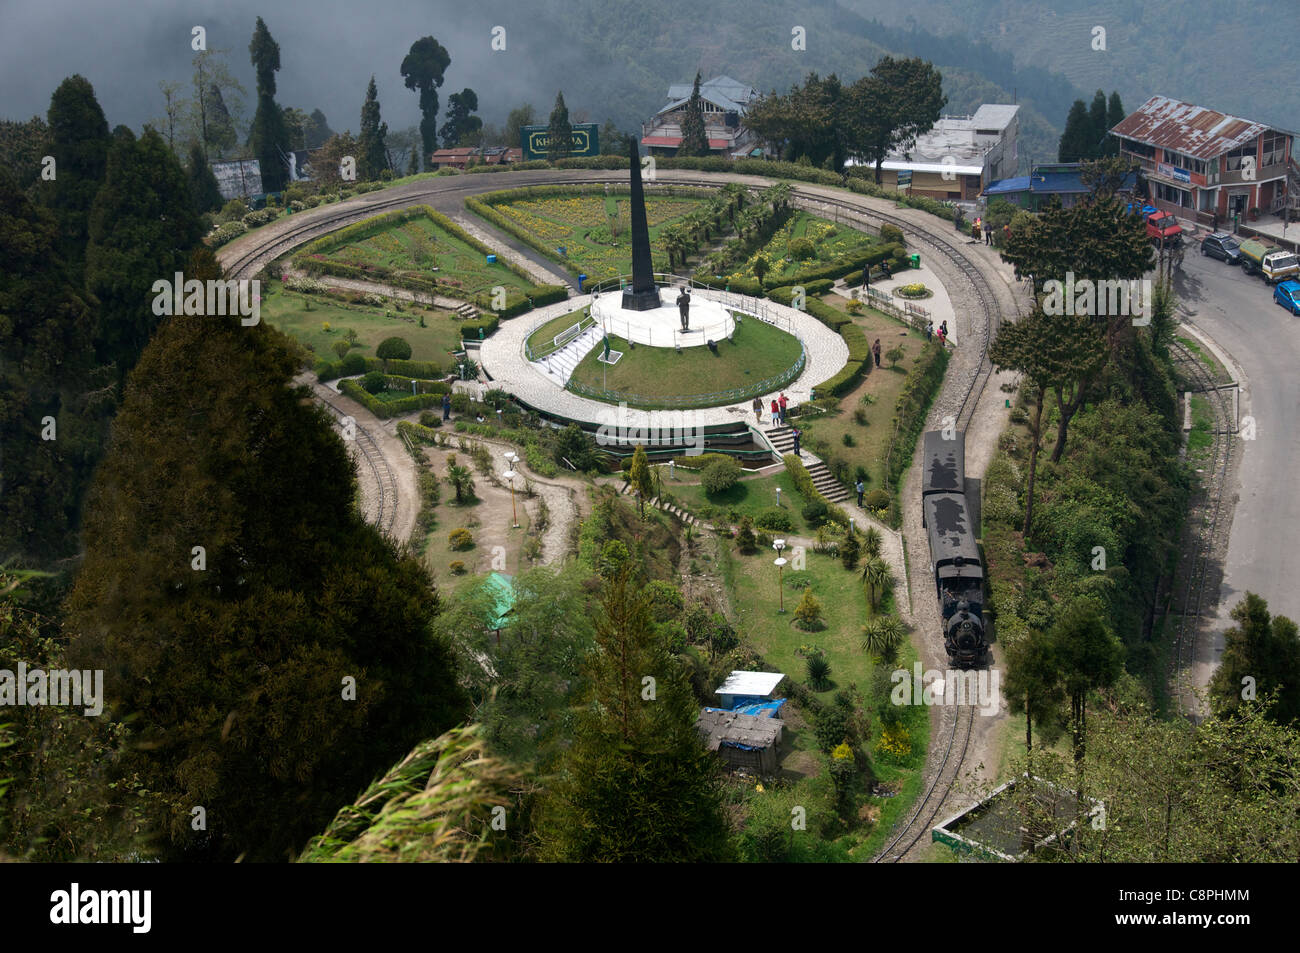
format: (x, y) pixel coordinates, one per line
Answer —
(662, 326)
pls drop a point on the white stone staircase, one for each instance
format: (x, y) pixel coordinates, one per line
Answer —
(559, 365)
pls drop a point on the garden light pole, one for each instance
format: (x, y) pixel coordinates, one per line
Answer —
(780, 562)
(512, 458)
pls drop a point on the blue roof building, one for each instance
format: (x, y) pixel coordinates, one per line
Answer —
(1059, 179)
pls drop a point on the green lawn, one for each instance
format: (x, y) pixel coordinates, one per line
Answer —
(594, 228)
(883, 385)
(749, 497)
(287, 311)
(393, 251)
(830, 240)
(544, 336)
(756, 352)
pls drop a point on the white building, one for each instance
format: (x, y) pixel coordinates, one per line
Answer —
(959, 157)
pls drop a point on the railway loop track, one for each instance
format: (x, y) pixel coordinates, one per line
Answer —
(968, 375)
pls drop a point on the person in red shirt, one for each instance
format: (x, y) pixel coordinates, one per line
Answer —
(783, 401)
(776, 412)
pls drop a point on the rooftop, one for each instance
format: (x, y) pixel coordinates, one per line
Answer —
(1193, 130)
(750, 683)
(956, 144)
(723, 91)
(729, 727)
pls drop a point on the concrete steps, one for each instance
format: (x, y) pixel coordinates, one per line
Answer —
(561, 364)
(783, 439)
(659, 504)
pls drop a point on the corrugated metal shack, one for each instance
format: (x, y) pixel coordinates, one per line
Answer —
(743, 741)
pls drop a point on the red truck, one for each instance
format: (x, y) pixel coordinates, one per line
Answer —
(1161, 226)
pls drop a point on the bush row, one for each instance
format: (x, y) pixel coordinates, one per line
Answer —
(355, 364)
(913, 404)
(388, 408)
(226, 233)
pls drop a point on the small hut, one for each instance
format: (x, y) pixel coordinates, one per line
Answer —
(743, 741)
(747, 688)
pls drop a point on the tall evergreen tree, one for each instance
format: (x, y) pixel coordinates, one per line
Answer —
(374, 155)
(560, 132)
(143, 227)
(1261, 655)
(268, 137)
(460, 121)
(1097, 125)
(519, 117)
(318, 130)
(1075, 144)
(203, 184)
(1114, 116)
(272, 682)
(48, 370)
(694, 141)
(423, 68)
(80, 139)
(216, 104)
(637, 784)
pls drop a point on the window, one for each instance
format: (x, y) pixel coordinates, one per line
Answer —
(1232, 159)
(1274, 148)
(1167, 193)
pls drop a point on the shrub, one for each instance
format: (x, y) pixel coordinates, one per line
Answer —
(860, 416)
(393, 348)
(891, 233)
(819, 669)
(774, 518)
(227, 232)
(352, 365)
(430, 418)
(374, 382)
(802, 249)
(745, 539)
(341, 348)
(847, 439)
(913, 290)
(808, 614)
(720, 476)
(850, 550)
(260, 217)
(876, 500)
(460, 538)
(815, 513)
(457, 567)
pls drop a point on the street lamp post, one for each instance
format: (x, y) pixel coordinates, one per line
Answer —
(780, 562)
(778, 496)
(512, 458)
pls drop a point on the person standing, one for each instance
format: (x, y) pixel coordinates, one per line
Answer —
(776, 411)
(783, 401)
(943, 326)
(797, 435)
(942, 337)
(866, 277)
(758, 409)
(884, 269)
(446, 406)
(875, 351)
(988, 233)
(859, 487)
(929, 331)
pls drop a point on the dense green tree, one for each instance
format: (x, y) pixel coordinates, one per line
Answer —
(519, 117)
(639, 477)
(48, 374)
(1076, 140)
(235, 672)
(460, 121)
(393, 349)
(143, 226)
(326, 161)
(560, 131)
(374, 156)
(909, 101)
(612, 141)
(1261, 656)
(637, 784)
(1114, 116)
(79, 144)
(1089, 658)
(203, 184)
(269, 136)
(317, 130)
(217, 103)
(423, 69)
(1033, 687)
(1097, 126)
(22, 146)
(694, 140)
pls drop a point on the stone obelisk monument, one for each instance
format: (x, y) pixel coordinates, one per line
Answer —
(642, 295)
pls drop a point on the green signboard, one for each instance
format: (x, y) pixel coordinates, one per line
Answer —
(536, 140)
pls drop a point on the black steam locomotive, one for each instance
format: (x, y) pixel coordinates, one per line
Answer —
(954, 555)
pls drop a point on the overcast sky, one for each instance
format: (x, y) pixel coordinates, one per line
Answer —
(328, 49)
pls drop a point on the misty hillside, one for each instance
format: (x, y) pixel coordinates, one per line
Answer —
(1230, 57)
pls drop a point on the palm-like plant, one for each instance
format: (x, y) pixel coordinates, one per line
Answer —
(871, 543)
(819, 672)
(878, 577)
(882, 637)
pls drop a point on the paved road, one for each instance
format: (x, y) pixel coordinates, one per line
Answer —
(1264, 340)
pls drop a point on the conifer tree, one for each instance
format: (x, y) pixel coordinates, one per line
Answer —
(423, 69)
(1076, 142)
(637, 785)
(560, 132)
(374, 154)
(273, 673)
(203, 184)
(79, 144)
(268, 137)
(694, 142)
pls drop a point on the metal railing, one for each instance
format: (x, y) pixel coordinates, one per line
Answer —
(537, 354)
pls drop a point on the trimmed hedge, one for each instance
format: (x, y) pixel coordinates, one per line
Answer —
(923, 382)
(388, 408)
(469, 329)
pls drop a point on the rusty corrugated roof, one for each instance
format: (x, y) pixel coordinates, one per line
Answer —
(1192, 130)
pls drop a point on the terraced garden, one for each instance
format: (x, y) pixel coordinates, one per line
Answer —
(802, 242)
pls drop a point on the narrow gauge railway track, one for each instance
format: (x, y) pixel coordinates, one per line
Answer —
(960, 719)
(385, 482)
(1203, 521)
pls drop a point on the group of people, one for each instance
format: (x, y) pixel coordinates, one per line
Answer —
(942, 332)
(778, 408)
(884, 273)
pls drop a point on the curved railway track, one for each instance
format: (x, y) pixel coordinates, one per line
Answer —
(960, 403)
(385, 482)
(1203, 521)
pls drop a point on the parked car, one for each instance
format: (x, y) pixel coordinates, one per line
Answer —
(1268, 261)
(1287, 294)
(1223, 246)
(1163, 227)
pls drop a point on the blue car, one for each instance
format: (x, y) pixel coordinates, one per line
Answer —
(1287, 294)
